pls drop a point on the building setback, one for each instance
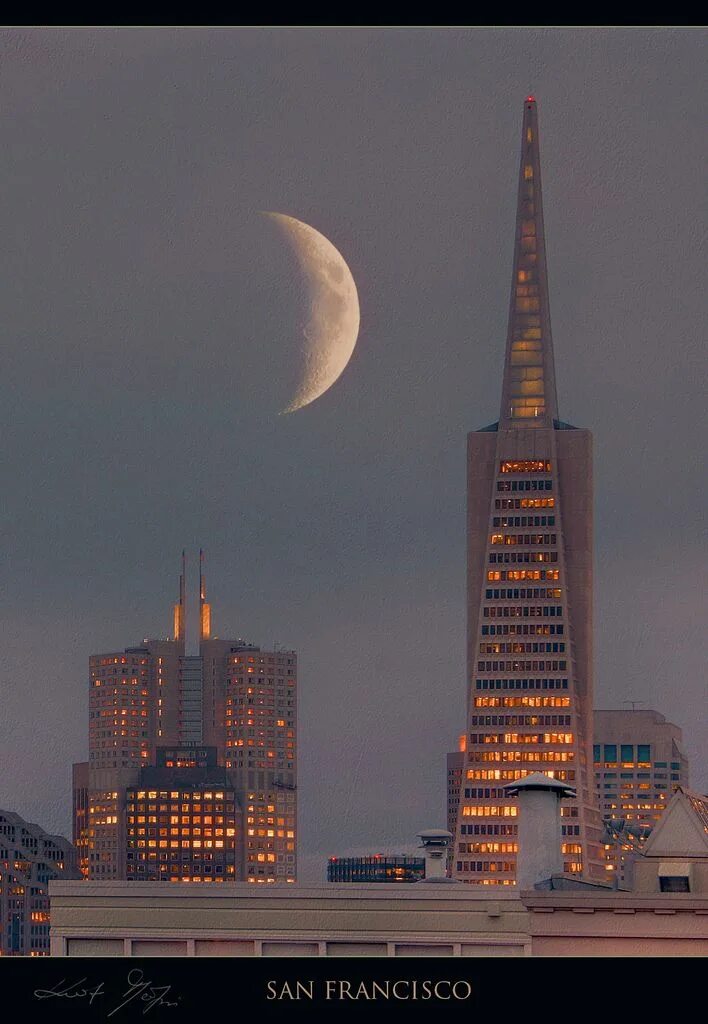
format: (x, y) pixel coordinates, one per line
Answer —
(639, 763)
(29, 859)
(529, 572)
(231, 706)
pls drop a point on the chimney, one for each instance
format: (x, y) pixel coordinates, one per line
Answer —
(434, 842)
(539, 856)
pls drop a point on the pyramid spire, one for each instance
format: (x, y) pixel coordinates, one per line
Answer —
(529, 388)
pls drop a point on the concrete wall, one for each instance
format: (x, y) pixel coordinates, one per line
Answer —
(617, 924)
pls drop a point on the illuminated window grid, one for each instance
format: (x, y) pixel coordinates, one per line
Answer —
(270, 836)
(182, 835)
(119, 720)
(503, 751)
(260, 721)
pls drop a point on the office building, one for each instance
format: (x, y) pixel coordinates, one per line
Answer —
(639, 763)
(455, 766)
(230, 706)
(529, 572)
(29, 858)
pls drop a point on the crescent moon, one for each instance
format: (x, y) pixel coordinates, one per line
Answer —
(333, 325)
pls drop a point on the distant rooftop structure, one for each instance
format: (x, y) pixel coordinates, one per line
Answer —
(378, 867)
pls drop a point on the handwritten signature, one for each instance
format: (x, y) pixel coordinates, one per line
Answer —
(138, 992)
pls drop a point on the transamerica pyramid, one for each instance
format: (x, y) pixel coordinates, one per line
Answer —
(529, 578)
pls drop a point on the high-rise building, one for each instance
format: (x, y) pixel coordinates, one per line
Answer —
(529, 522)
(79, 815)
(455, 767)
(639, 763)
(29, 859)
(232, 705)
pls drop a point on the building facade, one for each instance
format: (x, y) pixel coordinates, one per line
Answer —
(639, 763)
(183, 819)
(232, 704)
(529, 573)
(79, 815)
(376, 868)
(29, 859)
(455, 767)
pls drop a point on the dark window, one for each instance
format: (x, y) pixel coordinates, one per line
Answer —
(674, 883)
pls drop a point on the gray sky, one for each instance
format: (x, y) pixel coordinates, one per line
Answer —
(148, 317)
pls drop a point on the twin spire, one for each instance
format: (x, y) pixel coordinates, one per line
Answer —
(529, 387)
(180, 616)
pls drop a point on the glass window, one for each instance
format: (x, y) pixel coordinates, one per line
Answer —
(643, 752)
(674, 883)
(627, 752)
(596, 752)
(610, 751)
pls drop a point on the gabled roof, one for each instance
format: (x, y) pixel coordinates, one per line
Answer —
(682, 830)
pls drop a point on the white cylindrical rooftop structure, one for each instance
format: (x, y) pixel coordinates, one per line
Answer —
(539, 819)
(434, 842)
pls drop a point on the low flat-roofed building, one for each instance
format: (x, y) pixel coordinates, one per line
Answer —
(380, 919)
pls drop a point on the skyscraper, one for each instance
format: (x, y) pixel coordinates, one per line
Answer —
(639, 763)
(529, 573)
(155, 709)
